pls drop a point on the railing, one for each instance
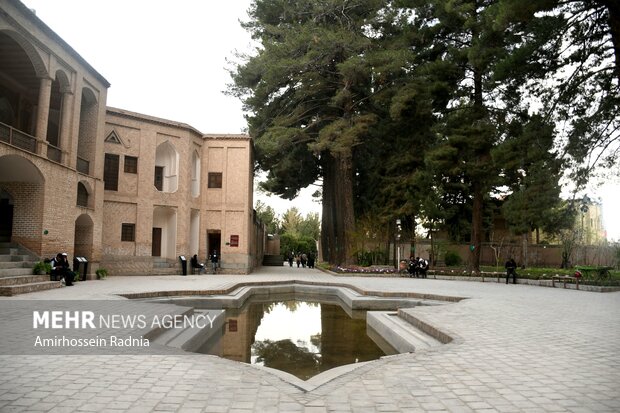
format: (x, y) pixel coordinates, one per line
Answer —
(83, 165)
(54, 153)
(28, 143)
(18, 138)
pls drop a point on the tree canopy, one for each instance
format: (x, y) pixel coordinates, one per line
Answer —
(432, 110)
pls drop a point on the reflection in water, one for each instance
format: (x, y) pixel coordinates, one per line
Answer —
(301, 338)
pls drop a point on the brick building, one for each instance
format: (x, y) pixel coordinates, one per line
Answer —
(128, 191)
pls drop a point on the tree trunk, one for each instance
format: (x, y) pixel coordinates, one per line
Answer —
(613, 8)
(343, 206)
(338, 220)
(328, 233)
(478, 191)
(476, 229)
(525, 236)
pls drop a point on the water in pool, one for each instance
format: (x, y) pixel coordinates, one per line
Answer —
(299, 337)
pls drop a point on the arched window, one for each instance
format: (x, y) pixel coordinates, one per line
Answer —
(166, 168)
(195, 174)
(82, 195)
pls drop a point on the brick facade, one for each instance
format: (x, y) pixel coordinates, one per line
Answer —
(55, 130)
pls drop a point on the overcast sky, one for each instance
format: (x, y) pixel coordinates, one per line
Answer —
(169, 59)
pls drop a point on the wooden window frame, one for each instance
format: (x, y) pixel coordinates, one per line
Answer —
(128, 232)
(215, 180)
(110, 171)
(131, 164)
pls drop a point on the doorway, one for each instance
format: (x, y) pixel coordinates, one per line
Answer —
(6, 216)
(156, 245)
(214, 240)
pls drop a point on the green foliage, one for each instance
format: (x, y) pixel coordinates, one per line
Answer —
(567, 56)
(368, 258)
(532, 172)
(306, 91)
(296, 243)
(423, 110)
(268, 216)
(286, 356)
(452, 258)
(42, 267)
(101, 273)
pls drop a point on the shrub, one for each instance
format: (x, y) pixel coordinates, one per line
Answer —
(101, 273)
(42, 268)
(452, 258)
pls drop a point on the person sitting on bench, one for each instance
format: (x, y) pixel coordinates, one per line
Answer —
(197, 265)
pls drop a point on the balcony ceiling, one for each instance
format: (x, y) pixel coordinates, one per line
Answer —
(16, 70)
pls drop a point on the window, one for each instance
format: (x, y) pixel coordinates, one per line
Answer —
(82, 195)
(159, 178)
(215, 179)
(110, 172)
(128, 232)
(131, 164)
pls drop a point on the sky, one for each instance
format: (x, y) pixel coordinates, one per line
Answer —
(171, 59)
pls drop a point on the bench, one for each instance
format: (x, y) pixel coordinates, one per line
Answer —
(595, 273)
(565, 278)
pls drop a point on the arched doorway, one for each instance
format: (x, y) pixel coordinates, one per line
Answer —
(194, 231)
(164, 232)
(87, 136)
(83, 244)
(23, 189)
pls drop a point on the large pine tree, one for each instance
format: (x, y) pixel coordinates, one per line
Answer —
(306, 91)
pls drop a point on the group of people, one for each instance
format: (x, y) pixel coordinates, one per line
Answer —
(417, 267)
(60, 269)
(303, 260)
(214, 258)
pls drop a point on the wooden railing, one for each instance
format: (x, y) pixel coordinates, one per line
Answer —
(18, 138)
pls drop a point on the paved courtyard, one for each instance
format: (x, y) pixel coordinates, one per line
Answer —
(517, 348)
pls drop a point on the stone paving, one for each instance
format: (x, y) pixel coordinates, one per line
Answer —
(517, 348)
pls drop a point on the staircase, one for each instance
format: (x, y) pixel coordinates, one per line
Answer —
(16, 272)
(163, 266)
(273, 260)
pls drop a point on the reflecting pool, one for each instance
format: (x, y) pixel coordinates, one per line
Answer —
(302, 338)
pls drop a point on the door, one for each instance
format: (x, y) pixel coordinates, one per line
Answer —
(6, 220)
(156, 246)
(213, 242)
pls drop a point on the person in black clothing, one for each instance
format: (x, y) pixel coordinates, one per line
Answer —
(511, 269)
(412, 267)
(422, 267)
(215, 259)
(290, 259)
(60, 269)
(196, 264)
(311, 259)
